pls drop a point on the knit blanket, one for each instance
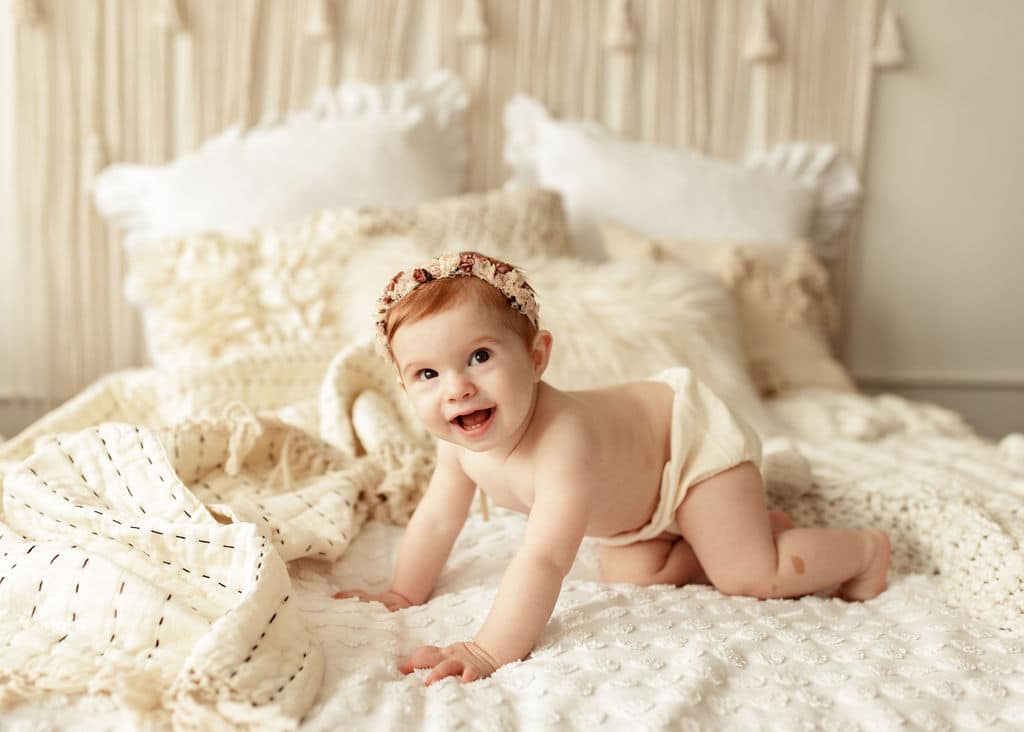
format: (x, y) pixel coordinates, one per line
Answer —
(170, 544)
(148, 561)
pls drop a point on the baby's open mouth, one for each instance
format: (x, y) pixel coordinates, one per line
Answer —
(474, 420)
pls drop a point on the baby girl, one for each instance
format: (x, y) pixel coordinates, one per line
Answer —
(660, 471)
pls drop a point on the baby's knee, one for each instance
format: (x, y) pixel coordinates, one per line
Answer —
(747, 584)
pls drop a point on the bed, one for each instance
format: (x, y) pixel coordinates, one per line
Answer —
(680, 182)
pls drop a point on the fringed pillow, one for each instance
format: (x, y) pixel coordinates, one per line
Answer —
(787, 311)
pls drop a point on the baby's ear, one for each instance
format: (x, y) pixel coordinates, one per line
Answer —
(541, 352)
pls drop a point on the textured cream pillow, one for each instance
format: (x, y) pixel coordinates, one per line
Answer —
(627, 320)
(785, 306)
(205, 296)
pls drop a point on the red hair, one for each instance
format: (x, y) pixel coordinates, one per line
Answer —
(438, 295)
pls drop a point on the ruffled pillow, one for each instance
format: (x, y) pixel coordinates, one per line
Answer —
(795, 190)
(360, 144)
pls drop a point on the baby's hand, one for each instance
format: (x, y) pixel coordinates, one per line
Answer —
(466, 660)
(390, 599)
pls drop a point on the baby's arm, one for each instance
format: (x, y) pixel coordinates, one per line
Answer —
(430, 535)
(530, 587)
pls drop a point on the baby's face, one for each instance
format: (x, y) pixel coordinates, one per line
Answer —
(469, 378)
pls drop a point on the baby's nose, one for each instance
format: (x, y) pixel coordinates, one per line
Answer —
(460, 388)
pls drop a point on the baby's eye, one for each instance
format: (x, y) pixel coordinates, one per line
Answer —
(480, 355)
(426, 374)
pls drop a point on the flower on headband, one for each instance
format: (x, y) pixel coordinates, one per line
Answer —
(500, 275)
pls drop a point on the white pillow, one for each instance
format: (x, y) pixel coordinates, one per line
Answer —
(627, 320)
(820, 166)
(663, 192)
(359, 145)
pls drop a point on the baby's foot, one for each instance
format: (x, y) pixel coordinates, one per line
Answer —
(871, 581)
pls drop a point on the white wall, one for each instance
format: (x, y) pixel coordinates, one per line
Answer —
(938, 301)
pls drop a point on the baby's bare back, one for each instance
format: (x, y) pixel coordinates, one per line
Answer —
(626, 429)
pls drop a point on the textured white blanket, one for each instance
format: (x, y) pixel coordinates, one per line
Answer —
(150, 564)
(149, 546)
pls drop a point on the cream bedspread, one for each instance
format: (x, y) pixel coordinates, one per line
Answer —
(147, 525)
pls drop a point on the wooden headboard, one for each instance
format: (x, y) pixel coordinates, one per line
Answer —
(100, 81)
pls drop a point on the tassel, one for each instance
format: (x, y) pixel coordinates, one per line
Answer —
(282, 469)
(472, 24)
(169, 16)
(94, 159)
(619, 33)
(761, 45)
(889, 52)
(246, 430)
(27, 12)
(318, 22)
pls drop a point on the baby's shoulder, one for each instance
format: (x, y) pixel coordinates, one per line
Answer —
(568, 429)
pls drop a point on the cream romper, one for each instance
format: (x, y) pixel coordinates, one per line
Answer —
(706, 439)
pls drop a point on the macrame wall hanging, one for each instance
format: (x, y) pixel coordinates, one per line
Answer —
(27, 12)
(168, 16)
(135, 81)
(761, 45)
(889, 52)
(619, 34)
(471, 26)
(320, 29)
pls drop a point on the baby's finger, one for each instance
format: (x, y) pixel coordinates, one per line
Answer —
(448, 667)
(422, 657)
(345, 594)
(470, 674)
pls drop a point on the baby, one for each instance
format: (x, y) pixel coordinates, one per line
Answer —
(660, 471)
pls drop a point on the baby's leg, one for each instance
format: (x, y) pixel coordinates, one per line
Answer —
(661, 561)
(667, 560)
(725, 521)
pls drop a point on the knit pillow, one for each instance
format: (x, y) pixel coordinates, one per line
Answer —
(787, 312)
(206, 296)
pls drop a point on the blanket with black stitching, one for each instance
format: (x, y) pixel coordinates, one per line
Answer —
(149, 562)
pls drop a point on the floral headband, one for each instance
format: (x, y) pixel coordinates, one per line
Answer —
(503, 276)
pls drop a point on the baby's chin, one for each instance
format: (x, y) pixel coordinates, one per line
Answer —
(462, 444)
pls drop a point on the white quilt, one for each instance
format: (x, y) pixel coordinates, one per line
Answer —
(169, 559)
